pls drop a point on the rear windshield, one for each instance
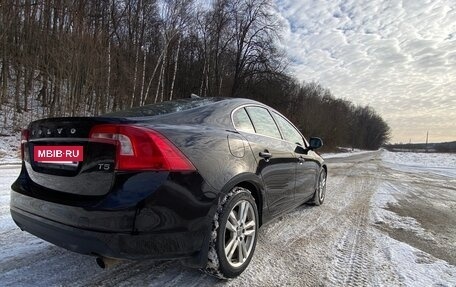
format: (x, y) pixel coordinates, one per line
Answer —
(164, 108)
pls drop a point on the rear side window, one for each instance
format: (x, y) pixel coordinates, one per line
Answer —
(288, 131)
(242, 121)
(263, 122)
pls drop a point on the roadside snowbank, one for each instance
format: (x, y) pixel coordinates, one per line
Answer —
(439, 163)
(386, 195)
(414, 266)
(9, 150)
(344, 154)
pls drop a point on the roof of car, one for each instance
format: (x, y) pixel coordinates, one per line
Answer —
(204, 111)
(179, 105)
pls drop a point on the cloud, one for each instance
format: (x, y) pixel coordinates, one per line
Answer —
(397, 56)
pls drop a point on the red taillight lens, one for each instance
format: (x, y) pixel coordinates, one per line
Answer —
(24, 139)
(140, 148)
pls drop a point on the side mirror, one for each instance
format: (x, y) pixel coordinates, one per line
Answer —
(315, 143)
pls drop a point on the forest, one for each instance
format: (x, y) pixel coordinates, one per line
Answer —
(88, 57)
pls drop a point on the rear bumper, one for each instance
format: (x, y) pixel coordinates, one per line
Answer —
(114, 245)
(156, 215)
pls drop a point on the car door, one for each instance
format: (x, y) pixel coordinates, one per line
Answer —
(276, 164)
(308, 166)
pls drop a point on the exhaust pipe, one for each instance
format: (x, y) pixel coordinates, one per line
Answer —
(105, 262)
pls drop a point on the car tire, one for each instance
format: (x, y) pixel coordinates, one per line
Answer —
(234, 234)
(320, 191)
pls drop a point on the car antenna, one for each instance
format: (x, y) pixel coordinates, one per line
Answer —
(194, 96)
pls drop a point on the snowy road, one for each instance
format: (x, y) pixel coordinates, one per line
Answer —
(388, 220)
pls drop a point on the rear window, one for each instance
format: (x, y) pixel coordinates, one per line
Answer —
(163, 108)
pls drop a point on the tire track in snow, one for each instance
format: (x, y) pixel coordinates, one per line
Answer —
(352, 256)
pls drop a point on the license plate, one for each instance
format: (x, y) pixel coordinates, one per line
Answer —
(60, 154)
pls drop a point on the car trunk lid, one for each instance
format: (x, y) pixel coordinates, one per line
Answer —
(60, 155)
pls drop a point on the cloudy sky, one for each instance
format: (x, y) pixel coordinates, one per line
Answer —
(398, 57)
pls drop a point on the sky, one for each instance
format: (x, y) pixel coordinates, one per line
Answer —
(398, 57)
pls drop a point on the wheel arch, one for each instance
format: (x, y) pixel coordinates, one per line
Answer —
(256, 195)
(322, 167)
(253, 183)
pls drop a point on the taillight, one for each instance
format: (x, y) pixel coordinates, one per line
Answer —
(140, 148)
(24, 140)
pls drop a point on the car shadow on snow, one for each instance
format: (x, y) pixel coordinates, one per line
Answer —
(39, 263)
(43, 264)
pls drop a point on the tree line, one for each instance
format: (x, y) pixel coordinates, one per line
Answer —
(72, 58)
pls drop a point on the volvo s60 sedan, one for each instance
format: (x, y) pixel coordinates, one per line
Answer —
(190, 179)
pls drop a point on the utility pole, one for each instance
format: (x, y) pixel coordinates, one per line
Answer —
(427, 138)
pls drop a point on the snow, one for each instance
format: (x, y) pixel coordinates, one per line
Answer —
(9, 150)
(357, 248)
(384, 196)
(344, 154)
(8, 174)
(438, 163)
(416, 268)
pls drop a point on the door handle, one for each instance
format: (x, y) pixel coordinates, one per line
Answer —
(266, 155)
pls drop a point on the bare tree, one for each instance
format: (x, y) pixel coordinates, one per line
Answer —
(255, 28)
(61, 58)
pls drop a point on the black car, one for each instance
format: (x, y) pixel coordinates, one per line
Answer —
(190, 179)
